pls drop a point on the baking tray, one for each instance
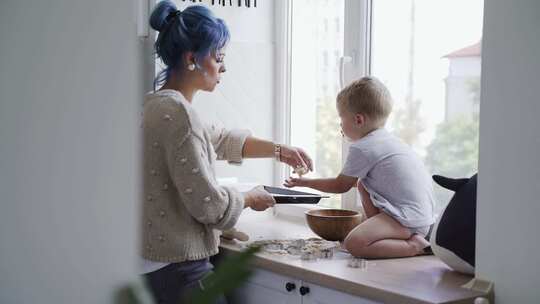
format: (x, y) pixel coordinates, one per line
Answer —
(286, 196)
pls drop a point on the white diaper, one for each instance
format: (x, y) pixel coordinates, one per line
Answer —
(423, 231)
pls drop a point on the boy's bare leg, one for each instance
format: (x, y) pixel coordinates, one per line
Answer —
(369, 209)
(381, 236)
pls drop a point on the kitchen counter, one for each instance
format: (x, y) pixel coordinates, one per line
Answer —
(423, 279)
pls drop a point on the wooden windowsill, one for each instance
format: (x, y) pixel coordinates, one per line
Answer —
(423, 279)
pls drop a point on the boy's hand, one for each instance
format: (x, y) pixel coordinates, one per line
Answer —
(296, 182)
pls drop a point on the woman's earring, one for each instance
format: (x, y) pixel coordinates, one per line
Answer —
(191, 67)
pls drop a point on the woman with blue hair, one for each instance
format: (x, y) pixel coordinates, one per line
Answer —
(184, 207)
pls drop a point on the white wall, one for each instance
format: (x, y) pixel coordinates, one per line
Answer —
(245, 97)
(459, 98)
(509, 169)
(70, 91)
(464, 66)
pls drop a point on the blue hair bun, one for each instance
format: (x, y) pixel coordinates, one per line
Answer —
(195, 30)
(163, 9)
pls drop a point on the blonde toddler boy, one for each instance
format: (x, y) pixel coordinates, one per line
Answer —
(394, 186)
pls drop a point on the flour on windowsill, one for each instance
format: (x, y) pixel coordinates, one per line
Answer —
(306, 249)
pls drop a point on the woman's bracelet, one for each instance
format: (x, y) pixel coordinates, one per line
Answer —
(277, 152)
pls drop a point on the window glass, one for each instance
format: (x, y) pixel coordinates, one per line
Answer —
(317, 45)
(428, 53)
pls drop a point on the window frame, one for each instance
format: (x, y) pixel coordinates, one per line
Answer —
(355, 63)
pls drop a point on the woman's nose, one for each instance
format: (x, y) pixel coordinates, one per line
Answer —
(223, 69)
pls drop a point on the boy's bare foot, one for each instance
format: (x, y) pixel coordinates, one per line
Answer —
(418, 242)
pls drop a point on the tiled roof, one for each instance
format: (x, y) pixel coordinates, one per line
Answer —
(474, 50)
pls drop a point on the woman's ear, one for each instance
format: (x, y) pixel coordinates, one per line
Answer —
(189, 58)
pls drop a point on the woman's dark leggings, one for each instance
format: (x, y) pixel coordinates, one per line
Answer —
(174, 283)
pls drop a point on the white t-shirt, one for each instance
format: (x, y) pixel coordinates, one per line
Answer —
(394, 176)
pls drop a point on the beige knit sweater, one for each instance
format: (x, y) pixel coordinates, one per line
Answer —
(184, 207)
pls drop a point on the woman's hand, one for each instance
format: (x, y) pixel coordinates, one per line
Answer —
(296, 158)
(258, 199)
(295, 182)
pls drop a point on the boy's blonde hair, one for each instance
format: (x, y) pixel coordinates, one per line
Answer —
(367, 96)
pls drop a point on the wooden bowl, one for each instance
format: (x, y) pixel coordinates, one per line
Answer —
(332, 224)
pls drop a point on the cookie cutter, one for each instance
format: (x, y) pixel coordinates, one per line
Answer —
(355, 262)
